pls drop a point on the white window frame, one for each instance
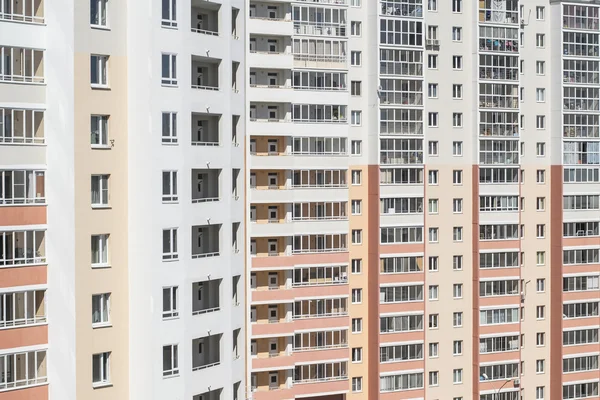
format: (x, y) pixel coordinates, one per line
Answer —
(100, 185)
(101, 316)
(103, 360)
(172, 308)
(101, 79)
(171, 191)
(169, 20)
(172, 254)
(99, 127)
(174, 362)
(102, 243)
(169, 127)
(170, 79)
(99, 20)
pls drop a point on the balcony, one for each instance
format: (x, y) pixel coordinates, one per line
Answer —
(319, 276)
(321, 372)
(210, 395)
(22, 308)
(22, 187)
(320, 308)
(321, 340)
(205, 241)
(206, 352)
(21, 248)
(205, 73)
(414, 10)
(506, 13)
(270, 52)
(270, 85)
(333, 29)
(270, 382)
(269, 19)
(21, 126)
(21, 65)
(23, 369)
(205, 17)
(205, 129)
(206, 296)
(31, 11)
(205, 185)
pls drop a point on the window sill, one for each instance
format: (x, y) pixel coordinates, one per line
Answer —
(171, 376)
(100, 266)
(101, 147)
(100, 27)
(101, 325)
(169, 318)
(100, 385)
(170, 259)
(169, 85)
(99, 87)
(101, 207)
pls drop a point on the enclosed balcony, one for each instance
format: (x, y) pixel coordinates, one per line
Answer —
(320, 243)
(31, 11)
(205, 129)
(22, 248)
(23, 369)
(205, 73)
(319, 21)
(205, 185)
(21, 64)
(206, 296)
(22, 308)
(320, 275)
(319, 179)
(318, 308)
(21, 126)
(205, 240)
(499, 12)
(206, 352)
(330, 371)
(22, 187)
(321, 340)
(205, 17)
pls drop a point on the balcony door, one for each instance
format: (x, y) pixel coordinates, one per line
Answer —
(200, 77)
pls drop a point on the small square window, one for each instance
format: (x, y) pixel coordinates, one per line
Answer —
(99, 70)
(457, 234)
(356, 118)
(540, 40)
(540, 67)
(456, 34)
(433, 177)
(457, 290)
(457, 318)
(433, 292)
(457, 263)
(433, 206)
(432, 90)
(356, 88)
(433, 119)
(457, 176)
(355, 28)
(356, 177)
(433, 235)
(457, 120)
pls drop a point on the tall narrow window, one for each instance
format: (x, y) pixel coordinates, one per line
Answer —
(170, 305)
(169, 13)
(169, 69)
(99, 70)
(169, 187)
(100, 309)
(101, 369)
(99, 131)
(169, 127)
(170, 360)
(99, 190)
(100, 251)
(99, 12)
(170, 244)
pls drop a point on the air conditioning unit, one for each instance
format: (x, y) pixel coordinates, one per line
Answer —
(432, 42)
(517, 382)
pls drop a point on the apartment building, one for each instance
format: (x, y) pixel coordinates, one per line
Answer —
(424, 179)
(122, 200)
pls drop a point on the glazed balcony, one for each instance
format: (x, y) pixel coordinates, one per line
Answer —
(319, 276)
(22, 370)
(321, 372)
(205, 17)
(21, 126)
(21, 65)
(507, 13)
(22, 187)
(31, 11)
(206, 352)
(22, 247)
(205, 130)
(205, 185)
(18, 309)
(319, 308)
(206, 296)
(320, 340)
(205, 241)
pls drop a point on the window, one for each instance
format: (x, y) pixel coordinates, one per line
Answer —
(99, 251)
(356, 296)
(169, 69)
(356, 266)
(356, 236)
(540, 95)
(457, 149)
(355, 118)
(355, 28)
(99, 131)
(433, 235)
(170, 303)
(457, 62)
(457, 290)
(99, 12)
(457, 6)
(457, 177)
(169, 127)
(540, 258)
(457, 91)
(433, 321)
(456, 34)
(540, 122)
(101, 309)
(169, 187)
(433, 378)
(457, 206)
(356, 325)
(540, 203)
(539, 393)
(357, 354)
(356, 147)
(170, 244)
(540, 366)
(99, 71)
(355, 3)
(540, 312)
(540, 339)
(457, 234)
(540, 149)
(457, 318)
(521, 64)
(432, 31)
(540, 67)
(356, 177)
(457, 120)
(457, 262)
(356, 207)
(433, 350)
(457, 376)
(433, 206)
(432, 91)
(356, 58)
(540, 13)
(540, 231)
(169, 13)
(433, 120)
(356, 88)
(540, 285)
(357, 384)
(433, 177)
(99, 190)
(433, 263)
(101, 369)
(170, 360)
(540, 40)
(432, 61)
(432, 5)
(433, 292)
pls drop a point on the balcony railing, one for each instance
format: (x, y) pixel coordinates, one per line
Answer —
(319, 29)
(23, 65)
(205, 200)
(337, 2)
(30, 11)
(204, 255)
(205, 87)
(205, 32)
(206, 366)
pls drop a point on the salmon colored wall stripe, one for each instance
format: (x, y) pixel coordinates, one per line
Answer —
(26, 215)
(556, 259)
(475, 279)
(22, 276)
